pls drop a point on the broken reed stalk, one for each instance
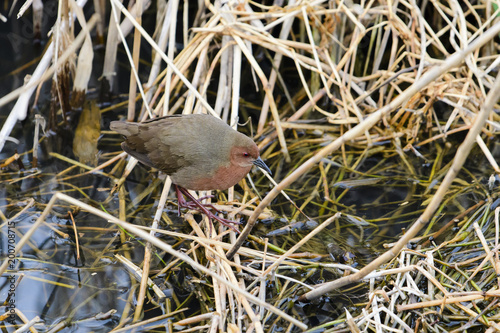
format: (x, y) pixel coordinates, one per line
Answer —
(39, 121)
(147, 253)
(135, 66)
(84, 64)
(453, 61)
(108, 70)
(173, 5)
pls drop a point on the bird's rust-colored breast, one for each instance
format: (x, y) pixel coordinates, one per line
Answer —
(223, 178)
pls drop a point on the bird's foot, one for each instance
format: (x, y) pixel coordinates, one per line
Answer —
(195, 204)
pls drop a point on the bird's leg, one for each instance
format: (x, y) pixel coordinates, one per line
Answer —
(195, 204)
(181, 202)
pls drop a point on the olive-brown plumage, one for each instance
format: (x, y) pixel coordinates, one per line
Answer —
(198, 152)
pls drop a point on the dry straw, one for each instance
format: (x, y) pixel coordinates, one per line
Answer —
(343, 82)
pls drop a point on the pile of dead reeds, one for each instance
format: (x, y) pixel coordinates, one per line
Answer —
(332, 83)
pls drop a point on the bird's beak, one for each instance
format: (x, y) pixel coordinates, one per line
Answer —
(260, 163)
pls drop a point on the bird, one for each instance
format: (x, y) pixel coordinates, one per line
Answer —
(198, 151)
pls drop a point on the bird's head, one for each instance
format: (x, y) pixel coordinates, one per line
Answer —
(247, 155)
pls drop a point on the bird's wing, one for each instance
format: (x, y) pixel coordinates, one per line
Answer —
(153, 144)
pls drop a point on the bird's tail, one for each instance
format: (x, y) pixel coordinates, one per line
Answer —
(124, 128)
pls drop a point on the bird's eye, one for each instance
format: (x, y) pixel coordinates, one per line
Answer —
(246, 154)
